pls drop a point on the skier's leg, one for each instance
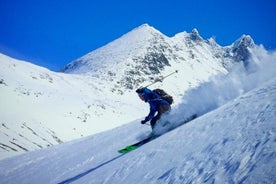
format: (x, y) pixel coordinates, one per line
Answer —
(162, 109)
(154, 119)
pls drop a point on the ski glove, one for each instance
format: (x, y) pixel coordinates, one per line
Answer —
(143, 122)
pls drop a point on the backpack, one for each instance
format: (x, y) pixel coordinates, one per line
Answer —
(164, 95)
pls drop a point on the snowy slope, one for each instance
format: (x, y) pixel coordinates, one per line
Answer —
(232, 144)
(41, 108)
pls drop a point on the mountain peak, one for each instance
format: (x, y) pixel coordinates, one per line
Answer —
(244, 41)
(195, 35)
(144, 26)
(241, 48)
(145, 30)
(126, 49)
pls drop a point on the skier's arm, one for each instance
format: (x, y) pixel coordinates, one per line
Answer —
(151, 114)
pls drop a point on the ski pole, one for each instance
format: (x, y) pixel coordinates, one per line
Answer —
(162, 78)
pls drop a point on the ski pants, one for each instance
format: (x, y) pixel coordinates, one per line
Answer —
(161, 110)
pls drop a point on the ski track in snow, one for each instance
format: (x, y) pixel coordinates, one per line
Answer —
(233, 144)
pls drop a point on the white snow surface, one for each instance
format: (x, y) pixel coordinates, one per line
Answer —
(235, 143)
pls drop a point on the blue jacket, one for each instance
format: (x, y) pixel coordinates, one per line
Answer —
(154, 101)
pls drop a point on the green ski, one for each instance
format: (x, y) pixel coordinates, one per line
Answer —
(135, 146)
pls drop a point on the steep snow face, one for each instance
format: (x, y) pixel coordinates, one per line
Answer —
(41, 108)
(232, 144)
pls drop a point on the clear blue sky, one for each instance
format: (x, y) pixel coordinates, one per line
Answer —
(52, 33)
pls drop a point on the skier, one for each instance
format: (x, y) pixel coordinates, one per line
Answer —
(157, 104)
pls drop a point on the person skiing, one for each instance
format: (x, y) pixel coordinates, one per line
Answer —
(157, 104)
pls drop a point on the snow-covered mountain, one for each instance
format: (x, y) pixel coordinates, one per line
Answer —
(40, 108)
(233, 144)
